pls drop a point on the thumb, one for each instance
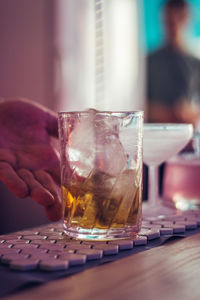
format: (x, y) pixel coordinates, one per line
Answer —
(52, 123)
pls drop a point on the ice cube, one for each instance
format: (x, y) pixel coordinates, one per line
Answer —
(98, 185)
(80, 150)
(94, 144)
(113, 199)
(126, 187)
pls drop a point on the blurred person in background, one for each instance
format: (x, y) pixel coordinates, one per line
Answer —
(173, 74)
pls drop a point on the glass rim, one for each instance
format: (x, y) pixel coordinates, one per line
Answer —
(102, 112)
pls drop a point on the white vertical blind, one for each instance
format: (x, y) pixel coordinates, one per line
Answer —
(76, 63)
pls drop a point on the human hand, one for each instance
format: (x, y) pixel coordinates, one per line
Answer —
(29, 162)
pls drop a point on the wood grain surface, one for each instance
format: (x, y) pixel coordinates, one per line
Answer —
(169, 272)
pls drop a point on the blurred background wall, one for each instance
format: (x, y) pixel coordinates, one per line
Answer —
(35, 63)
(26, 50)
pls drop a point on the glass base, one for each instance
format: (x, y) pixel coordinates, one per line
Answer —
(95, 234)
(158, 209)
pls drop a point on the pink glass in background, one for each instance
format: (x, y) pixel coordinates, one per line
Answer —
(181, 182)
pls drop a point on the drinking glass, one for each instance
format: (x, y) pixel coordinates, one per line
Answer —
(161, 142)
(101, 173)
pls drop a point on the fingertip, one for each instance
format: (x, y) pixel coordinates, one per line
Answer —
(37, 192)
(52, 123)
(43, 191)
(20, 192)
(13, 182)
(55, 212)
(42, 196)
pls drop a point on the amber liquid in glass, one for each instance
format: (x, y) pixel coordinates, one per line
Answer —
(102, 201)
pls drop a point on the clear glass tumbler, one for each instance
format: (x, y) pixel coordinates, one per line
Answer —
(101, 173)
